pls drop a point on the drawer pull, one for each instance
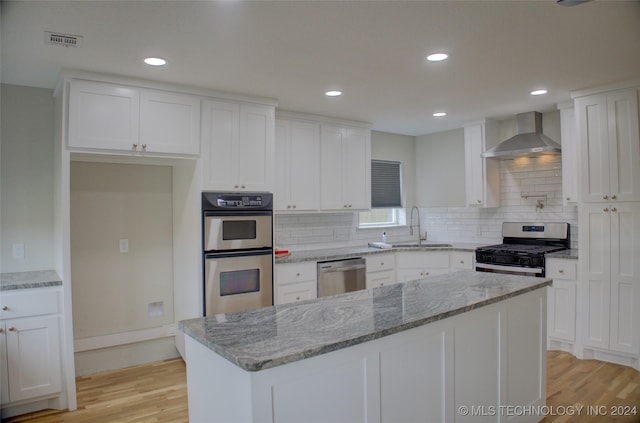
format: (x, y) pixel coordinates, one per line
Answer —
(13, 329)
(560, 271)
(5, 308)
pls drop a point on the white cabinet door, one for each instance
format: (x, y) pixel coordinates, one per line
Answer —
(461, 260)
(297, 166)
(169, 122)
(609, 146)
(103, 116)
(295, 282)
(611, 275)
(345, 168)
(33, 357)
(482, 176)
(4, 368)
(561, 299)
(237, 146)
(569, 138)
(625, 278)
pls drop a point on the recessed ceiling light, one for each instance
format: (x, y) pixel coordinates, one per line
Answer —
(155, 61)
(437, 57)
(439, 114)
(538, 92)
(333, 93)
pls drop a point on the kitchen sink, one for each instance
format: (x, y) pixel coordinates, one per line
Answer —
(424, 244)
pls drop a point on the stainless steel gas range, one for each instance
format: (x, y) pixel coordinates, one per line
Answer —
(523, 248)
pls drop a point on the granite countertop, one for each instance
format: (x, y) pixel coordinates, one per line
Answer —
(272, 336)
(25, 280)
(359, 251)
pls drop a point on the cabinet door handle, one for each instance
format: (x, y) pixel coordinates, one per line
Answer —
(13, 329)
(560, 271)
(461, 261)
(297, 298)
(614, 209)
(5, 308)
(1, 330)
(294, 206)
(568, 198)
(242, 186)
(382, 263)
(605, 197)
(479, 201)
(606, 209)
(135, 147)
(289, 206)
(614, 197)
(144, 147)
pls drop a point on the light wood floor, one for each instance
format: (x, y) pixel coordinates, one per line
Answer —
(158, 393)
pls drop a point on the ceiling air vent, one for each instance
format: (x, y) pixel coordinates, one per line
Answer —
(59, 39)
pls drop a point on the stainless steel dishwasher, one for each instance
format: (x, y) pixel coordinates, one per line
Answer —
(340, 276)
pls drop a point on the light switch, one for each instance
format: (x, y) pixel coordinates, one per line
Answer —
(18, 251)
(124, 245)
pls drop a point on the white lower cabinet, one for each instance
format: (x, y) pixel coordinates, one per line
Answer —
(295, 282)
(462, 260)
(413, 265)
(610, 274)
(29, 346)
(381, 270)
(561, 300)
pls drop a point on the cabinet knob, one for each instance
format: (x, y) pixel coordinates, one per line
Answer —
(297, 298)
(12, 329)
(382, 263)
(297, 274)
(479, 201)
(236, 186)
(289, 206)
(568, 198)
(345, 206)
(560, 271)
(381, 283)
(294, 206)
(135, 147)
(461, 261)
(1, 330)
(349, 205)
(242, 186)
(605, 197)
(5, 308)
(614, 209)
(426, 273)
(614, 197)
(144, 147)
(606, 209)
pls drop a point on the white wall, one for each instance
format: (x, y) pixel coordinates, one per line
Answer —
(26, 215)
(440, 169)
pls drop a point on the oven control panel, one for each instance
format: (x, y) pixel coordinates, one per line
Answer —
(220, 201)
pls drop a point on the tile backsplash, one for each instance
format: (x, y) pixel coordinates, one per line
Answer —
(539, 178)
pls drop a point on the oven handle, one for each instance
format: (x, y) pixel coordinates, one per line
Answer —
(508, 268)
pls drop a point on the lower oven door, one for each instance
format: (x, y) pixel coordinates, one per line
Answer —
(238, 281)
(511, 270)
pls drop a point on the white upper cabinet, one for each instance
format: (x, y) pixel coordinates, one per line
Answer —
(169, 122)
(237, 146)
(106, 116)
(569, 135)
(345, 168)
(297, 166)
(482, 176)
(609, 146)
(103, 116)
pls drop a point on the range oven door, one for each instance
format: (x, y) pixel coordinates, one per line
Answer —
(238, 281)
(237, 232)
(511, 270)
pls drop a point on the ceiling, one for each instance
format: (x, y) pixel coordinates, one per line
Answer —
(294, 51)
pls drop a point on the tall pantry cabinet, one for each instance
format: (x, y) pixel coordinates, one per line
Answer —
(609, 219)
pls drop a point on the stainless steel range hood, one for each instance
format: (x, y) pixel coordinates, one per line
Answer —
(530, 141)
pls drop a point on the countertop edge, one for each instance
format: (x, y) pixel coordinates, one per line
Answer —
(29, 280)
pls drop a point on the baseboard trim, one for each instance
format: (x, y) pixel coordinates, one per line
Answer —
(123, 338)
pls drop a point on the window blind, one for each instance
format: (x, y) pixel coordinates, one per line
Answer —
(386, 184)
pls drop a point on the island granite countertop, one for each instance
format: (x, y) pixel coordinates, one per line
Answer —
(26, 280)
(272, 336)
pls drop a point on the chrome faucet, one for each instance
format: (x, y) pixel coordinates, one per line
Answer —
(411, 225)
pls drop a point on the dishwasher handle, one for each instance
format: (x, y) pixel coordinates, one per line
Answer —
(328, 268)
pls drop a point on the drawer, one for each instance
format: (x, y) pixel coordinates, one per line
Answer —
(381, 278)
(423, 259)
(561, 269)
(461, 260)
(296, 272)
(33, 302)
(380, 262)
(294, 292)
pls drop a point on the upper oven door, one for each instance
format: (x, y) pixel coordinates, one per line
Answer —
(222, 233)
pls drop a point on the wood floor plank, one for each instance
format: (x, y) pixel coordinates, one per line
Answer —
(157, 393)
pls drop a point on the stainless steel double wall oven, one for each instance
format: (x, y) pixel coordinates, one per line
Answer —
(237, 239)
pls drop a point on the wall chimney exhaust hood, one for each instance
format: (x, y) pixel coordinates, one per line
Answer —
(529, 141)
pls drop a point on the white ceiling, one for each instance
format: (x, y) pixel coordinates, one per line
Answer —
(293, 51)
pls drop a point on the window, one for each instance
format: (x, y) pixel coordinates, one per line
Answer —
(386, 196)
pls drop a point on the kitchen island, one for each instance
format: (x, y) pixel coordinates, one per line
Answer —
(465, 346)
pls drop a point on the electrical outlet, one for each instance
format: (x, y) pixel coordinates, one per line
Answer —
(156, 309)
(124, 245)
(18, 251)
